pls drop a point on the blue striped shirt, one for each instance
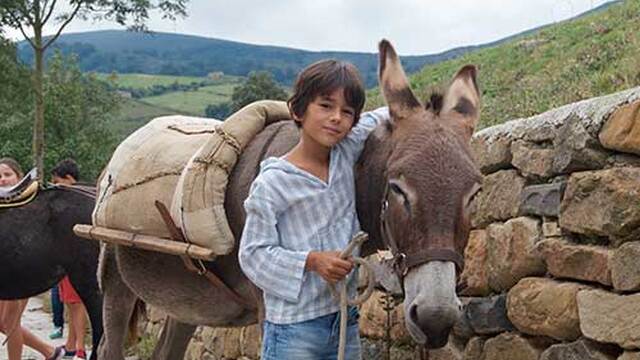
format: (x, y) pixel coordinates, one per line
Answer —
(290, 213)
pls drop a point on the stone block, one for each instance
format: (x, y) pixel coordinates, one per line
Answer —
(542, 200)
(473, 349)
(532, 160)
(579, 262)
(623, 160)
(551, 229)
(511, 346)
(630, 355)
(452, 351)
(491, 155)
(582, 349)
(621, 132)
(603, 203)
(625, 267)
(474, 276)
(373, 319)
(499, 199)
(511, 252)
(488, 316)
(576, 149)
(545, 307)
(610, 318)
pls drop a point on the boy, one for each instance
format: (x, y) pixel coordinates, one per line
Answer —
(301, 213)
(66, 173)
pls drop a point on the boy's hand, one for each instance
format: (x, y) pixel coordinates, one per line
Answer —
(328, 265)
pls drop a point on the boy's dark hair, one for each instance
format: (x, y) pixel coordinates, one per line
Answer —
(66, 167)
(323, 78)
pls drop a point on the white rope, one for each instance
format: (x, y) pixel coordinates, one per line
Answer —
(356, 242)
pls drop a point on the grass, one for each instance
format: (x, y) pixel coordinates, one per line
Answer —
(144, 81)
(193, 102)
(567, 62)
(133, 114)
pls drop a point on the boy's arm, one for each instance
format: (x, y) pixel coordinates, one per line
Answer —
(354, 141)
(271, 267)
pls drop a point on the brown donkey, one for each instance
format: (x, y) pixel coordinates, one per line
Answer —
(415, 180)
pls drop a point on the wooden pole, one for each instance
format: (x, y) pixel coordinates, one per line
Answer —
(145, 242)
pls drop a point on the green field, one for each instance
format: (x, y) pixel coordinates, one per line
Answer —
(193, 102)
(143, 81)
(567, 62)
(133, 114)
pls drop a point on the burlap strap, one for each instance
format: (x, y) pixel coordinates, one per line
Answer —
(198, 203)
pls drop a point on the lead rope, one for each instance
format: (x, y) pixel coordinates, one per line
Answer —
(356, 242)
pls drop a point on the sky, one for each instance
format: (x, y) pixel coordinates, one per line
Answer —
(415, 27)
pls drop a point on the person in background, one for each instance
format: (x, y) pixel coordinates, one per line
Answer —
(11, 310)
(57, 310)
(66, 172)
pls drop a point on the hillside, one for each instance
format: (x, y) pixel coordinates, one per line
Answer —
(185, 55)
(590, 56)
(187, 95)
(177, 54)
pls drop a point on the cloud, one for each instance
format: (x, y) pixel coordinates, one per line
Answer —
(415, 26)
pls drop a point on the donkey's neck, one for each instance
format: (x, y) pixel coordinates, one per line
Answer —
(371, 177)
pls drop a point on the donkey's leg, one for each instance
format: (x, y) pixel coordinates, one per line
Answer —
(173, 340)
(118, 306)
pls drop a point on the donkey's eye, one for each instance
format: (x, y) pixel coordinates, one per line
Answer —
(396, 189)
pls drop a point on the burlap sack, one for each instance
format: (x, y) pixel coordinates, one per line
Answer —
(184, 162)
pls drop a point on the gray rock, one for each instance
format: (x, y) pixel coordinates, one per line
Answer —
(582, 349)
(488, 316)
(542, 200)
(625, 268)
(576, 149)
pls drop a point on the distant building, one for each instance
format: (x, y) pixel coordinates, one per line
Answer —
(215, 75)
(124, 94)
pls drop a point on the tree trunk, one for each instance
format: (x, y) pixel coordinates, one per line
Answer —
(38, 125)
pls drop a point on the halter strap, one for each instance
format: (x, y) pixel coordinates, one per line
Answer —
(403, 262)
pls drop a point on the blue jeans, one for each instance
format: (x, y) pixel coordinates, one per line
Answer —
(315, 339)
(57, 308)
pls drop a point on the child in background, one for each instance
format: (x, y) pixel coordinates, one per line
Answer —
(11, 310)
(301, 214)
(66, 173)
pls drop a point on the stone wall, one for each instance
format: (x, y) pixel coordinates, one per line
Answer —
(553, 262)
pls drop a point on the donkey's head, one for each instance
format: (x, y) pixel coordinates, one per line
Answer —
(430, 181)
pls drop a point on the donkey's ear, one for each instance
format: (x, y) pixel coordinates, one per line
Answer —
(462, 100)
(394, 83)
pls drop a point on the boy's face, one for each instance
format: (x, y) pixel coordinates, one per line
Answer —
(328, 119)
(67, 180)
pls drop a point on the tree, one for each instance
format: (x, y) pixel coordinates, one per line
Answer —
(79, 109)
(14, 78)
(35, 14)
(259, 86)
(218, 111)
